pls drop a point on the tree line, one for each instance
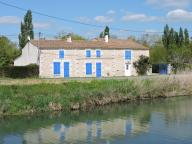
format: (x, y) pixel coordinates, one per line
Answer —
(174, 48)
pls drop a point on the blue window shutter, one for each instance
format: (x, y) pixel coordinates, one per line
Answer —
(88, 68)
(128, 55)
(98, 53)
(66, 69)
(61, 54)
(56, 66)
(88, 53)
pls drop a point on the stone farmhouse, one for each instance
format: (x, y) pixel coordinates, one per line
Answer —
(81, 58)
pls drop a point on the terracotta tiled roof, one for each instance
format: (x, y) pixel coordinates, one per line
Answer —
(96, 43)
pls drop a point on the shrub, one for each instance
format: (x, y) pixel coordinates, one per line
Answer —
(142, 65)
(19, 71)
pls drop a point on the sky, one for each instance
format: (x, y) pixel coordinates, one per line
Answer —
(134, 15)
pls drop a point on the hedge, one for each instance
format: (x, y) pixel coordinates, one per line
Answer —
(19, 71)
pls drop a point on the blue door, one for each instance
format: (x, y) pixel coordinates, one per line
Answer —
(66, 69)
(98, 70)
(88, 68)
(56, 68)
(163, 69)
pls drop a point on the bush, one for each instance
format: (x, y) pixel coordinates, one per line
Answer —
(20, 71)
(142, 65)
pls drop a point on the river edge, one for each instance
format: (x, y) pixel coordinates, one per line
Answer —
(74, 96)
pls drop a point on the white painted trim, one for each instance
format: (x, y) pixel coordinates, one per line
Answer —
(86, 68)
(101, 53)
(56, 75)
(131, 53)
(70, 67)
(59, 54)
(102, 68)
(86, 53)
(130, 61)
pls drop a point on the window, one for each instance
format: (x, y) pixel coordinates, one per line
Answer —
(88, 68)
(88, 53)
(61, 54)
(98, 53)
(128, 55)
(56, 68)
(127, 66)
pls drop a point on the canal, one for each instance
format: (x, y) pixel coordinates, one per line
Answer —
(164, 121)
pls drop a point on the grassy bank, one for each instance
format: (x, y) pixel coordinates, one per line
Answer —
(75, 95)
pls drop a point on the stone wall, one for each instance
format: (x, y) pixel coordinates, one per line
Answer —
(113, 62)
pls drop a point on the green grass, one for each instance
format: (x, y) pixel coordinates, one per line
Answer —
(20, 99)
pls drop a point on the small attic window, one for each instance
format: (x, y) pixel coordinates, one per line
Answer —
(61, 54)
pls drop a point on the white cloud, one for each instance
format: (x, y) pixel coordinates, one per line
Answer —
(111, 12)
(9, 20)
(179, 15)
(41, 25)
(174, 16)
(103, 19)
(169, 3)
(138, 17)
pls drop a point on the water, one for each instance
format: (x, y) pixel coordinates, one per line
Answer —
(156, 122)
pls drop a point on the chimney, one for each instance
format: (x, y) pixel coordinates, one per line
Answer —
(106, 38)
(69, 40)
(28, 38)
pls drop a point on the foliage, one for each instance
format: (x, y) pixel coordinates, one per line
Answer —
(186, 34)
(20, 71)
(64, 36)
(181, 38)
(176, 49)
(105, 32)
(142, 65)
(158, 54)
(26, 29)
(149, 39)
(166, 37)
(25, 98)
(179, 58)
(8, 52)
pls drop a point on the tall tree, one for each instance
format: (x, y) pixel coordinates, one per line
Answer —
(172, 39)
(176, 35)
(26, 29)
(106, 31)
(166, 37)
(186, 34)
(181, 37)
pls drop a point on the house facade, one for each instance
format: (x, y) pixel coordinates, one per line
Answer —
(30, 55)
(95, 58)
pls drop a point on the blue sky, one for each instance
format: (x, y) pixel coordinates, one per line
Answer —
(140, 15)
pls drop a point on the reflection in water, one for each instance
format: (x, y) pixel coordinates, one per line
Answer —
(164, 121)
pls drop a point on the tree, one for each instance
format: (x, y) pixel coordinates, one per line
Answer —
(101, 35)
(186, 34)
(143, 65)
(63, 36)
(105, 32)
(8, 52)
(172, 40)
(165, 37)
(181, 37)
(26, 29)
(176, 38)
(149, 39)
(158, 54)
